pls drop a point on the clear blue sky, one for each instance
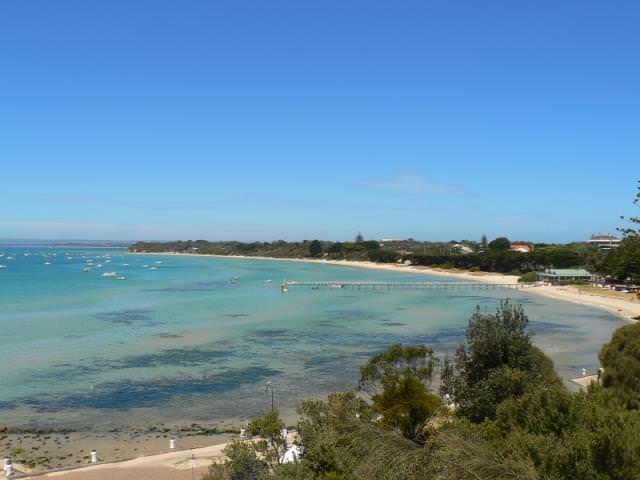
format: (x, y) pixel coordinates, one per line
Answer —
(303, 119)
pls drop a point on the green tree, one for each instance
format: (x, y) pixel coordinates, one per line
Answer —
(499, 244)
(242, 463)
(498, 361)
(336, 249)
(411, 360)
(315, 249)
(272, 444)
(587, 435)
(623, 262)
(620, 359)
(406, 405)
(371, 245)
(397, 380)
(527, 277)
(461, 451)
(256, 458)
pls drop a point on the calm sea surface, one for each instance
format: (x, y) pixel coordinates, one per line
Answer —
(177, 341)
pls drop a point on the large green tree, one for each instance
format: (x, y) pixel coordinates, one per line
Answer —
(315, 249)
(497, 361)
(499, 244)
(623, 262)
(620, 359)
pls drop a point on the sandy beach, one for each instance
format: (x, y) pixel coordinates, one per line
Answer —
(176, 465)
(629, 308)
(172, 465)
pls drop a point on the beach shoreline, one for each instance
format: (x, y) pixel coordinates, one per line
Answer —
(155, 461)
(626, 309)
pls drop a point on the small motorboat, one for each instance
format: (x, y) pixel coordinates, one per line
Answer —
(109, 274)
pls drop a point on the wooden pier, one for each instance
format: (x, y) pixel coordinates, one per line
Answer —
(378, 285)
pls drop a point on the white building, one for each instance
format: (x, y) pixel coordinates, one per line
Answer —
(604, 242)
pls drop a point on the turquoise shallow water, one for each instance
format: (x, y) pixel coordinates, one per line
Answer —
(177, 341)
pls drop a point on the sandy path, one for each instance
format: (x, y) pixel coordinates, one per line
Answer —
(170, 466)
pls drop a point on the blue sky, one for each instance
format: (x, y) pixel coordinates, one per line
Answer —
(259, 120)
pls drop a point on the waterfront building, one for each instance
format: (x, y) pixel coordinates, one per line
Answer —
(565, 275)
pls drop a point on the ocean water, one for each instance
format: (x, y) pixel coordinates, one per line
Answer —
(177, 341)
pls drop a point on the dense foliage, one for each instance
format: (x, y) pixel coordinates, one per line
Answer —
(496, 258)
(512, 418)
(497, 362)
(620, 359)
(361, 250)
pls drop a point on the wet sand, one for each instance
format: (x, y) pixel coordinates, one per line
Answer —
(40, 452)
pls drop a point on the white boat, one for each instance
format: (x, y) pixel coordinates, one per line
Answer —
(86, 269)
(268, 281)
(122, 277)
(3, 266)
(125, 264)
(99, 265)
(153, 268)
(9, 258)
(109, 274)
(159, 261)
(47, 263)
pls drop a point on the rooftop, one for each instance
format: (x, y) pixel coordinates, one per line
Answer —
(601, 237)
(567, 272)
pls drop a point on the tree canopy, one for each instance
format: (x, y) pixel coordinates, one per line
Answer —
(500, 243)
(620, 359)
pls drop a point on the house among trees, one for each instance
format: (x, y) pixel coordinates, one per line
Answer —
(604, 242)
(461, 248)
(556, 276)
(521, 247)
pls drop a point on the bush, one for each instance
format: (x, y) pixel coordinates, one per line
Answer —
(527, 277)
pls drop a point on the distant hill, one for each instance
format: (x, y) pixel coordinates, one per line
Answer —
(75, 243)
